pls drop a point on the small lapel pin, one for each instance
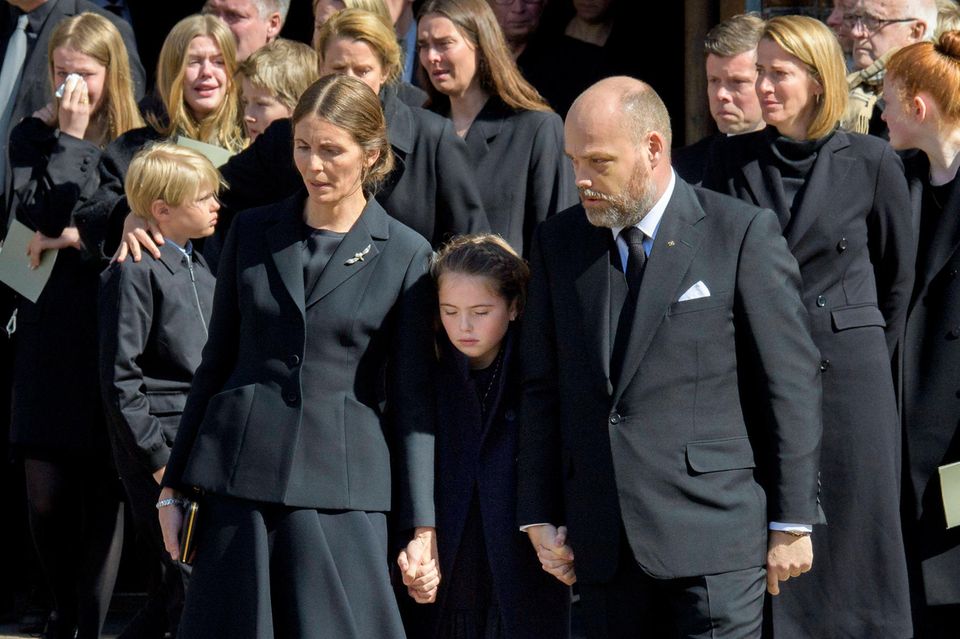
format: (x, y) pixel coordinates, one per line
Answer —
(357, 257)
(671, 243)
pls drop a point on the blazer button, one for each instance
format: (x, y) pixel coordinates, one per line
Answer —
(824, 364)
(842, 245)
(614, 418)
(293, 360)
(291, 397)
(953, 273)
(955, 332)
(821, 301)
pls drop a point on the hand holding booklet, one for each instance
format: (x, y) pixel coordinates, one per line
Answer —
(217, 155)
(15, 269)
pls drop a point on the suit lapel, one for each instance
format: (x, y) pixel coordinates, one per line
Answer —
(401, 133)
(829, 172)
(674, 248)
(285, 241)
(946, 239)
(356, 251)
(593, 290)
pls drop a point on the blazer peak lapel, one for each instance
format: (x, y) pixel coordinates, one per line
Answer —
(284, 240)
(593, 290)
(829, 168)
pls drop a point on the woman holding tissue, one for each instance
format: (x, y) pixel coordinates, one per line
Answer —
(195, 80)
(58, 426)
(844, 208)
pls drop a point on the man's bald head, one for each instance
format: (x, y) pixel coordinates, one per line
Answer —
(902, 22)
(628, 100)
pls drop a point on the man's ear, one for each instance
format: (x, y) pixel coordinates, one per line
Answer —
(160, 210)
(656, 146)
(920, 30)
(274, 24)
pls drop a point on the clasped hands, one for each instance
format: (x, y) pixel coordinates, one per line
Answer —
(555, 556)
(420, 566)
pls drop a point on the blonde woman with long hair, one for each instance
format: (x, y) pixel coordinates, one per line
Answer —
(58, 426)
(199, 95)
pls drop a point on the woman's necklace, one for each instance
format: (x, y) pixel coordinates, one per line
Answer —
(493, 379)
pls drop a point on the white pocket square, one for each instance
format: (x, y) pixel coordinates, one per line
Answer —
(695, 292)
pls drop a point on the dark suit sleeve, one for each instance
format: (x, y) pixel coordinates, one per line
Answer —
(459, 207)
(126, 318)
(773, 321)
(410, 399)
(540, 498)
(100, 219)
(891, 241)
(552, 185)
(218, 360)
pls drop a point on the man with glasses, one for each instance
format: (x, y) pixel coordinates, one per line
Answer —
(519, 20)
(876, 29)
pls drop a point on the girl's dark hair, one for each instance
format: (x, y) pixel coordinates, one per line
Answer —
(485, 255)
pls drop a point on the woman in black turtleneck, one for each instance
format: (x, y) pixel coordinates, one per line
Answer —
(844, 208)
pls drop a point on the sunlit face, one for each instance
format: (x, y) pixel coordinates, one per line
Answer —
(205, 82)
(518, 19)
(323, 10)
(260, 108)
(354, 58)
(66, 61)
(250, 29)
(787, 90)
(613, 173)
(732, 92)
(329, 160)
(474, 315)
(191, 220)
(898, 114)
(869, 46)
(835, 22)
(449, 59)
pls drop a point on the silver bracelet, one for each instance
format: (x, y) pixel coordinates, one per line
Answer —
(171, 501)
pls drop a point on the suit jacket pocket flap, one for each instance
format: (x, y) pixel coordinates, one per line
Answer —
(166, 403)
(720, 454)
(857, 317)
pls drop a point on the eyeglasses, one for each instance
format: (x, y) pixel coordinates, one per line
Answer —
(869, 23)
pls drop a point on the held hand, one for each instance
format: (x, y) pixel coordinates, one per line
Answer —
(47, 114)
(70, 238)
(171, 521)
(555, 556)
(787, 556)
(75, 108)
(138, 232)
(418, 563)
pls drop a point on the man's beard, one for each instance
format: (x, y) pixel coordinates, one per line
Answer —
(625, 209)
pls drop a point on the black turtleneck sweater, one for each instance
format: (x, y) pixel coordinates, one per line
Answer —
(794, 159)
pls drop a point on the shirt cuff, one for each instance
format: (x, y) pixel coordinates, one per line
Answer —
(524, 527)
(800, 528)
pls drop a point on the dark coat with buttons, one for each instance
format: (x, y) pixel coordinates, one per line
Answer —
(671, 453)
(852, 237)
(56, 393)
(478, 457)
(287, 404)
(931, 393)
(153, 324)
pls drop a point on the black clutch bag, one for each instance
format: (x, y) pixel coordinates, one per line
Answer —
(188, 533)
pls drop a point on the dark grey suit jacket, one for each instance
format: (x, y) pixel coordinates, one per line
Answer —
(286, 404)
(669, 453)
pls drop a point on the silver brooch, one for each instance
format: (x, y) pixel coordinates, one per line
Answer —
(357, 257)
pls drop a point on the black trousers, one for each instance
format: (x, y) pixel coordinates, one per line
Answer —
(635, 605)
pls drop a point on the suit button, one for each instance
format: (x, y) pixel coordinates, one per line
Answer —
(614, 418)
(955, 332)
(293, 360)
(842, 245)
(821, 301)
(291, 397)
(824, 364)
(953, 273)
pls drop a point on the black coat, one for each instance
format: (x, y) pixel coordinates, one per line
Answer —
(668, 454)
(474, 456)
(286, 404)
(852, 237)
(34, 91)
(931, 387)
(690, 161)
(518, 159)
(56, 392)
(153, 324)
(431, 188)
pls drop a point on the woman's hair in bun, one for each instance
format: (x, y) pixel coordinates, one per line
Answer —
(932, 68)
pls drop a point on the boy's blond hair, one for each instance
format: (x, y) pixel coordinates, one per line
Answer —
(170, 173)
(284, 68)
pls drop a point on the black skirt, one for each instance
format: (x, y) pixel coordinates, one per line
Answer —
(266, 571)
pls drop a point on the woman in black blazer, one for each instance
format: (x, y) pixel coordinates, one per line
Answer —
(515, 140)
(58, 425)
(922, 112)
(843, 205)
(321, 317)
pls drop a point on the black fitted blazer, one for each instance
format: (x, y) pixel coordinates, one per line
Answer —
(286, 404)
(670, 453)
(519, 162)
